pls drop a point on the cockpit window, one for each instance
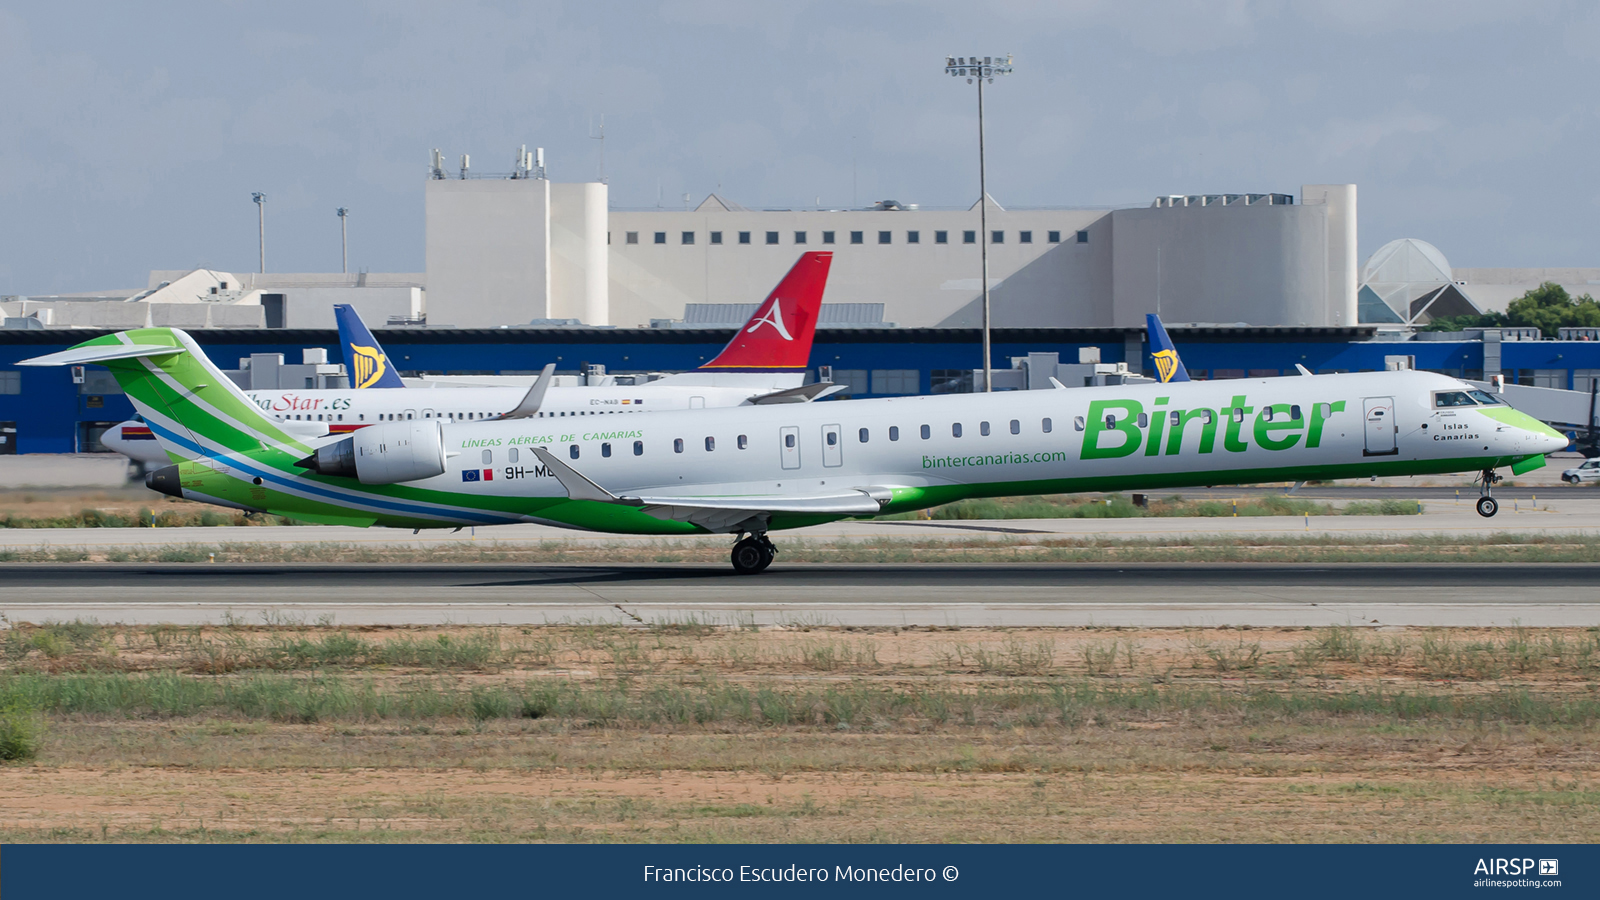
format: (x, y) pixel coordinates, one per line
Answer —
(1446, 399)
(1486, 398)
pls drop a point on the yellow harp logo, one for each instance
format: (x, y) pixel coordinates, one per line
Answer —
(370, 365)
(1166, 363)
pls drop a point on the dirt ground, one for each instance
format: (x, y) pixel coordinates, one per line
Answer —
(1176, 735)
(57, 503)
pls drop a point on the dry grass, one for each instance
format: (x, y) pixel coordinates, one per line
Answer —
(703, 731)
(134, 506)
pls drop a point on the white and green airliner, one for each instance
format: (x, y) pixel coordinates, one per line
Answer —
(746, 471)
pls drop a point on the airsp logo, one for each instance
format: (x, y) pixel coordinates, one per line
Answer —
(370, 365)
(773, 317)
(1502, 866)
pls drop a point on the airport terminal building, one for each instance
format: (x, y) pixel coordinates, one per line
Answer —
(521, 271)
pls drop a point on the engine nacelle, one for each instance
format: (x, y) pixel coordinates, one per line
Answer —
(384, 454)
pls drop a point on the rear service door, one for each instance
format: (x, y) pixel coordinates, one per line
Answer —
(789, 446)
(832, 446)
(1381, 426)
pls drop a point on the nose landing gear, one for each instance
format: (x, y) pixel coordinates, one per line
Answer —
(753, 554)
(1487, 505)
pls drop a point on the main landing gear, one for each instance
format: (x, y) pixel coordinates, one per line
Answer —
(753, 554)
(1487, 505)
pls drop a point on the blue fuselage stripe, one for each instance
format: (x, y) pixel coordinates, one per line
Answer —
(276, 477)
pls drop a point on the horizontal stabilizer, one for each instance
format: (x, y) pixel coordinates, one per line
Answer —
(805, 393)
(77, 356)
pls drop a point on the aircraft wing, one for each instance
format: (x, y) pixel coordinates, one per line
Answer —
(805, 393)
(722, 513)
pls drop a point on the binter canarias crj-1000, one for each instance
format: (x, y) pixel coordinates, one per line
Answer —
(750, 470)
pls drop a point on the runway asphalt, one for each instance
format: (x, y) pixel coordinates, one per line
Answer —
(1571, 512)
(1259, 595)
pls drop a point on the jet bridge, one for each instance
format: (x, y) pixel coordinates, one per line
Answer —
(1566, 410)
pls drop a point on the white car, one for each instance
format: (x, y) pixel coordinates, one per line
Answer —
(1589, 471)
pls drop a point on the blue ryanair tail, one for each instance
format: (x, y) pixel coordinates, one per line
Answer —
(364, 358)
(1168, 366)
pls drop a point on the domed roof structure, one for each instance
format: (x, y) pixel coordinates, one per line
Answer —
(1408, 282)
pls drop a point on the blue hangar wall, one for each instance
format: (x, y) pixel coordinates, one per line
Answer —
(50, 412)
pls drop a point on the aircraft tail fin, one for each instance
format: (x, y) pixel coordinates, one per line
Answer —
(194, 410)
(364, 358)
(779, 334)
(1168, 366)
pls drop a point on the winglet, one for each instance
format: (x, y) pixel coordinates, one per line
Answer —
(364, 359)
(778, 335)
(531, 401)
(1168, 366)
(578, 487)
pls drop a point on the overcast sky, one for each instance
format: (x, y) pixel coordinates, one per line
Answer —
(131, 135)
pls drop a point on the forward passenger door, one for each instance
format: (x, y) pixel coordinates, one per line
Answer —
(1381, 426)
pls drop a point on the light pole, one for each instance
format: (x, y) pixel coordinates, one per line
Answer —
(344, 240)
(981, 69)
(261, 218)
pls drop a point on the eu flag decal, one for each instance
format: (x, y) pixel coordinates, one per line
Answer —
(469, 474)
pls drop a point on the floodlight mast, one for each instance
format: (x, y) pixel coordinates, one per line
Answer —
(981, 69)
(261, 219)
(344, 239)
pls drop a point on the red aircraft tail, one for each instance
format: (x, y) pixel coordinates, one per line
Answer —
(779, 335)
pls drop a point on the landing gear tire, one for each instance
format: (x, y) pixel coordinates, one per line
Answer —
(752, 555)
(1487, 507)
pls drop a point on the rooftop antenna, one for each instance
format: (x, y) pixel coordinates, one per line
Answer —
(436, 165)
(601, 137)
(520, 170)
(538, 163)
(466, 162)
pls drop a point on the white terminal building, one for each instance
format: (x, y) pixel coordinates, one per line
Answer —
(518, 250)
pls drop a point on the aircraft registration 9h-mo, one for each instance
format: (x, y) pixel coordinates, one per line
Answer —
(764, 362)
(754, 469)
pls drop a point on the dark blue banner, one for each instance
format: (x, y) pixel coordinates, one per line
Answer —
(302, 872)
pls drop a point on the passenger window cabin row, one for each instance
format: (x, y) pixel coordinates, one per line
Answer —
(864, 435)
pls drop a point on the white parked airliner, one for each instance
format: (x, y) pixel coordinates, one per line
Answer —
(765, 362)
